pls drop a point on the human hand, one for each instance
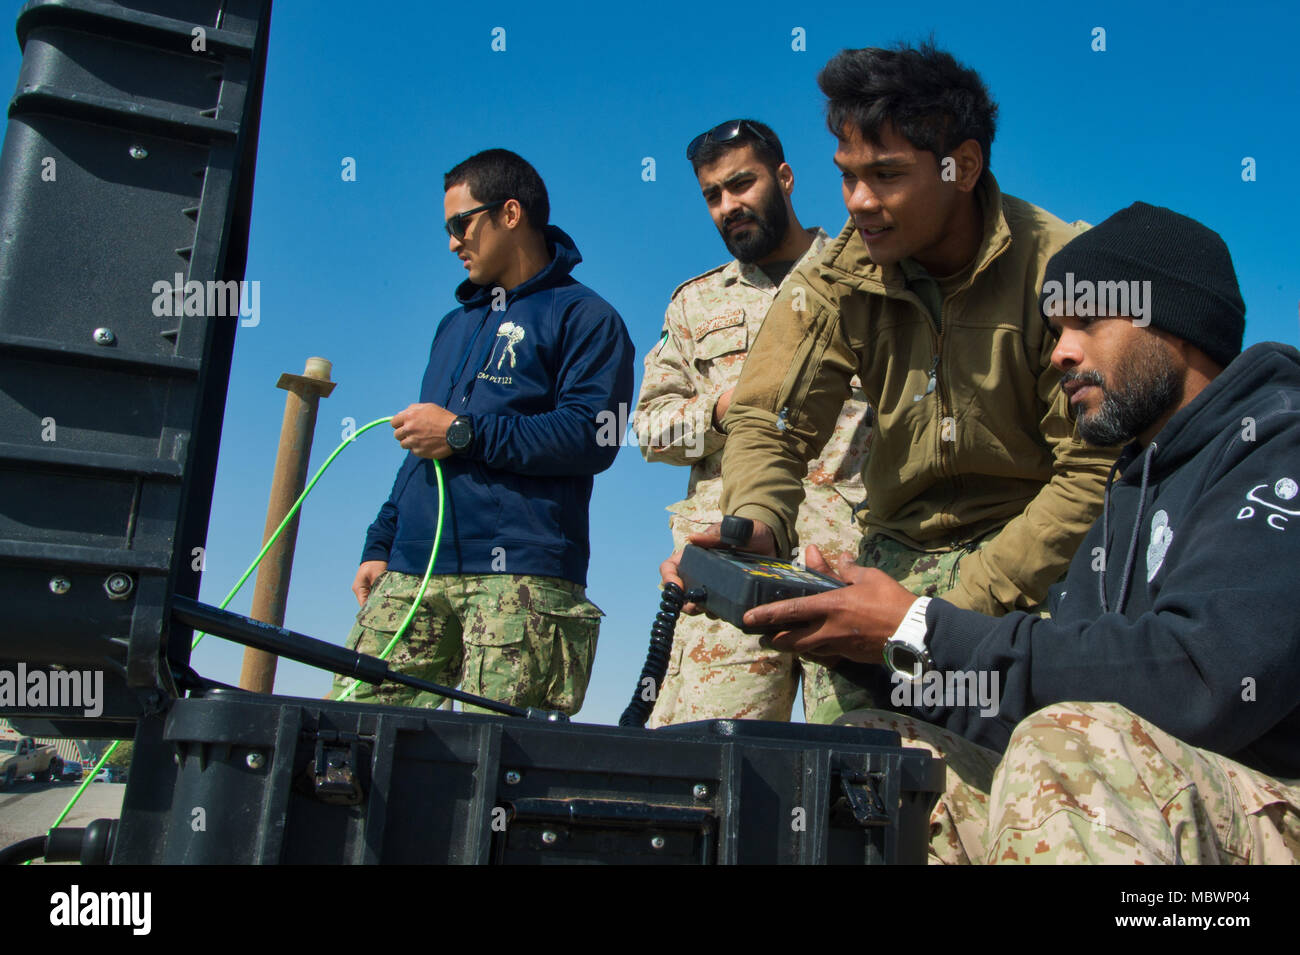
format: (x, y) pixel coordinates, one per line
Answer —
(720, 407)
(367, 574)
(422, 430)
(852, 622)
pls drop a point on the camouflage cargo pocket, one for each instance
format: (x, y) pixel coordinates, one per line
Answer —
(575, 631)
(533, 647)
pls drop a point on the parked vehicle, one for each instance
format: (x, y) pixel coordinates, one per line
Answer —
(72, 770)
(23, 756)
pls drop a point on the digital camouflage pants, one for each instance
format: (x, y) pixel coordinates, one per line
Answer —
(524, 640)
(1093, 783)
(924, 574)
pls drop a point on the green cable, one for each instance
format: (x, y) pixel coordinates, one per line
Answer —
(437, 470)
(270, 541)
(419, 595)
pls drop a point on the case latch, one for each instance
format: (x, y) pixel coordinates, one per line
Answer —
(335, 772)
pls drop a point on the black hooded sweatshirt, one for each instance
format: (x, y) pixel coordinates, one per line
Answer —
(1181, 602)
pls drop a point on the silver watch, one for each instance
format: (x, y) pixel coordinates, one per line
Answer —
(906, 652)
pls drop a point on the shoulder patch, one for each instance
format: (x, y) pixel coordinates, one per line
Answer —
(696, 278)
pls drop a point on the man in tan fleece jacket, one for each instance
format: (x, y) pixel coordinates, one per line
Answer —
(979, 488)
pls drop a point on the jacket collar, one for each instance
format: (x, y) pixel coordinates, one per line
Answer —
(846, 257)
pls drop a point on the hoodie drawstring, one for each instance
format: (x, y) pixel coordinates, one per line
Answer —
(1137, 529)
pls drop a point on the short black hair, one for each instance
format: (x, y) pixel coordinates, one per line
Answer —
(935, 102)
(769, 153)
(495, 175)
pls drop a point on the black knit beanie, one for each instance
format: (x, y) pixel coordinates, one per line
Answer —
(1193, 291)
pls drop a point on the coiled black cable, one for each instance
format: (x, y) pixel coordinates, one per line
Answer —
(656, 659)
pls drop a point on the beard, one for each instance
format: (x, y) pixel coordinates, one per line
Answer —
(1149, 385)
(770, 225)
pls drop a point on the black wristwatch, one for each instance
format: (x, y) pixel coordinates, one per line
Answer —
(460, 434)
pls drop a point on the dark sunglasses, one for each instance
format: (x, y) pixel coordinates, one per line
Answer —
(722, 133)
(455, 226)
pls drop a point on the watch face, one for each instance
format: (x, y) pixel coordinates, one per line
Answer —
(459, 433)
(904, 660)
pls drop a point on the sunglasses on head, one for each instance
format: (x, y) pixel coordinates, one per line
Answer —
(722, 133)
(456, 225)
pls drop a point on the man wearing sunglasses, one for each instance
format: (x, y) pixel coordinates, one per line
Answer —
(716, 671)
(519, 377)
(978, 486)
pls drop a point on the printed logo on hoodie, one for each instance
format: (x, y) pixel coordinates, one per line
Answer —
(511, 334)
(1276, 516)
(1162, 535)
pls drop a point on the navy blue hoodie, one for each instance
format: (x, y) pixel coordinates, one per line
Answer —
(1181, 603)
(537, 378)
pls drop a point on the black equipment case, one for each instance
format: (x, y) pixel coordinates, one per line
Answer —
(128, 159)
(238, 778)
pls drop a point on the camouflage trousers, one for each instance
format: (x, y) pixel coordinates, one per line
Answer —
(518, 639)
(1094, 783)
(717, 672)
(925, 574)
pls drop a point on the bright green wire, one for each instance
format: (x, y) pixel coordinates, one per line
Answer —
(270, 541)
(437, 470)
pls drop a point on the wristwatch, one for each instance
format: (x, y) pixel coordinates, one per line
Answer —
(460, 434)
(905, 652)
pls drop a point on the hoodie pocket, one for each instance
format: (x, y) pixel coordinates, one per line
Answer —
(483, 500)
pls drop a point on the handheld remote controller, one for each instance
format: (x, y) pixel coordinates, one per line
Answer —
(728, 581)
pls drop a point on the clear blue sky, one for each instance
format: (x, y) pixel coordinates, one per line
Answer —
(359, 272)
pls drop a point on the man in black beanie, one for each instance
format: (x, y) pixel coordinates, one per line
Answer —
(1176, 620)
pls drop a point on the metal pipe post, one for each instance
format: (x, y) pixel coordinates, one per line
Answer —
(271, 591)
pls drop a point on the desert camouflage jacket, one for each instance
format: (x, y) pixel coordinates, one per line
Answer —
(710, 324)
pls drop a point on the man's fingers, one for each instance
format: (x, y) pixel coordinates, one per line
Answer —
(668, 570)
(706, 538)
(784, 614)
(668, 575)
(403, 416)
(760, 542)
